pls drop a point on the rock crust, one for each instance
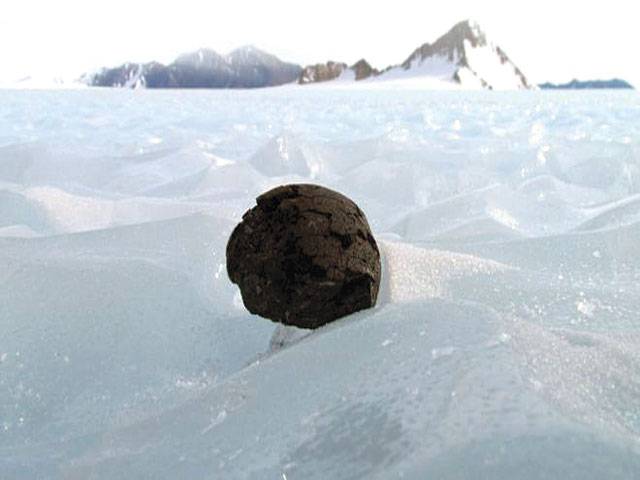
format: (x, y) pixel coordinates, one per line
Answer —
(304, 256)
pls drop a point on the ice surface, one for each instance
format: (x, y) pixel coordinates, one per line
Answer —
(506, 340)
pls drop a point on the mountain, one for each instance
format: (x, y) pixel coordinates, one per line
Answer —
(575, 84)
(246, 67)
(463, 57)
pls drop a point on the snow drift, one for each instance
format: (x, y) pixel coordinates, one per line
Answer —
(505, 343)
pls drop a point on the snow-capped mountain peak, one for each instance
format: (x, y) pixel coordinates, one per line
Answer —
(465, 56)
(201, 58)
(450, 46)
(462, 57)
(245, 51)
(250, 55)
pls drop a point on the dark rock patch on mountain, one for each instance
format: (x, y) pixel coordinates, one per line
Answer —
(363, 70)
(321, 72)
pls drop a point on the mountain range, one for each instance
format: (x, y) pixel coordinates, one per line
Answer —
(575, 84)
(463, 57)
(245, 67)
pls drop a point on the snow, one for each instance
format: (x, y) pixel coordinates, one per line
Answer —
(443, 68)
(136, 78)
(484, 65)
(505, 343)
(347, 75)
(40, 82)
(486, 62)
(433, 73)
(393, 82)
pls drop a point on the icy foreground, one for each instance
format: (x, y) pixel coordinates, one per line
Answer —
(506, 342)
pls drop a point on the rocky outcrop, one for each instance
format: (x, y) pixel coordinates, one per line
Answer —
(304, 256)
(321, 72)
(363, 70)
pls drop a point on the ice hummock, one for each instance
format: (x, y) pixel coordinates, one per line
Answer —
(504, 345)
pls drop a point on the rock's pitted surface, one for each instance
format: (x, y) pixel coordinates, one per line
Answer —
(304, 256)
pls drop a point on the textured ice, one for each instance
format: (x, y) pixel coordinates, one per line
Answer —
(506, 341)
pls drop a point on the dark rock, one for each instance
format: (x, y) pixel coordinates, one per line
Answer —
(304, 256)
(363, 69)
(127, 75)
(323, 72)
(450, 45)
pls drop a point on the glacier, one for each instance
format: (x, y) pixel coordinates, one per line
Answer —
(506, 339)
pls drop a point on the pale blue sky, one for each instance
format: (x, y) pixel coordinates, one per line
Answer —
(548, 40)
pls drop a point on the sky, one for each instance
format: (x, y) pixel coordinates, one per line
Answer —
(548, 40)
